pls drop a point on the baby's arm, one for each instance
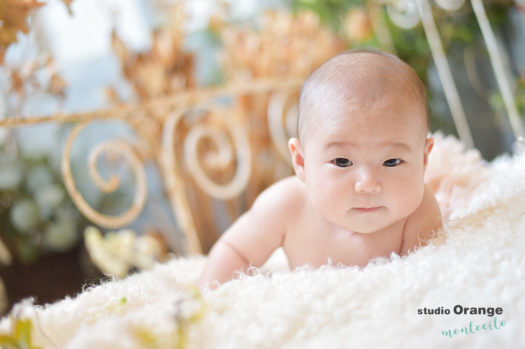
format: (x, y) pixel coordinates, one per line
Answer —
(253, 237)
(422, 224)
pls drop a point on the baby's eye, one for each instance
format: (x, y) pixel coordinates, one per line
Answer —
(342, 162)
(392, 162)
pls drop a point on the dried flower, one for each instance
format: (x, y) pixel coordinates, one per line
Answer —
(286, 44)
(13, 19)
(57, 85)
(357, 25)
(164, 69)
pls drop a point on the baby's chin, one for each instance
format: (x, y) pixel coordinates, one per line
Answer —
(370, 224)
(365, 230)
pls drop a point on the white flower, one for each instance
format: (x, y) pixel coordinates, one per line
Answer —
(102, 256)
(48, 198)
(147, 251)
(37, 177)
(11, 175)
(24, 215)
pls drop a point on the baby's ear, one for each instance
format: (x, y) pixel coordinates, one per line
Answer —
(296, 152)
(429, 144)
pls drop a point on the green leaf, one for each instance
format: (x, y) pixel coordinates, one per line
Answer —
(21, 336)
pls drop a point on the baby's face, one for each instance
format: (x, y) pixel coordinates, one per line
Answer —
(364, 168)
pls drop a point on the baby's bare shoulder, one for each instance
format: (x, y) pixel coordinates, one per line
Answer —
(423, 223)
(285, 197)
(260, 230)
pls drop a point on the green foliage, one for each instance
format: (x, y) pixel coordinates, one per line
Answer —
(496, 99)
(20, 337)
(36, 213)
(330, 11)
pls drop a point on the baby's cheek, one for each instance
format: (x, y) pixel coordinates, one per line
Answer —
(327, 200)
(411, 198)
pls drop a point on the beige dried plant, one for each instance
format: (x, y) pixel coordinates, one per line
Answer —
(166, 68)
(285, 46)
(13, 19)
(26, 79)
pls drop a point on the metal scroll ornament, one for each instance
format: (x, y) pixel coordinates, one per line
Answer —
(404, 13)
(223, 155)
(282, 121)
(115, 147)
(450, 5)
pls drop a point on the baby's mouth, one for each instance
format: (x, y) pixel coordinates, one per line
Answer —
(367, 209)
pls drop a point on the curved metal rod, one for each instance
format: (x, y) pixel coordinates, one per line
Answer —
(449, 87)
(379, 25)
(497, 64)
(174, 184)
(223, 156)
(106, 186)
(276, 113)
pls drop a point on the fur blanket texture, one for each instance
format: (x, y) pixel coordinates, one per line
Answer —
(464, 290)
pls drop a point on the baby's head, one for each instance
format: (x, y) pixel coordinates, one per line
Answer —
(359, 79)
(362, 143)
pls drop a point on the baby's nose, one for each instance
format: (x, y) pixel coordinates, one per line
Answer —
(367, 183)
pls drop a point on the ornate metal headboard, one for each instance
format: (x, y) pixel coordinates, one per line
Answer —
(206, 147)
(215, 146)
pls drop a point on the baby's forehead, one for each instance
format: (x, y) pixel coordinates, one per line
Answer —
(360, 80)
(365, 132)
(363, 113)
(336, 117)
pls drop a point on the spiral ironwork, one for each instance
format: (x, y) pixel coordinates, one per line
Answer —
(282, 121)
(115, 147)
(163, 114)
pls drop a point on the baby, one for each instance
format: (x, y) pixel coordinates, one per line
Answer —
(359, 161)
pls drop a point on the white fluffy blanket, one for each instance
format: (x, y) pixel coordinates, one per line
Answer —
(477, 261)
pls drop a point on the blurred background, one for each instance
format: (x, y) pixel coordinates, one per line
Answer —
(68, 59)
